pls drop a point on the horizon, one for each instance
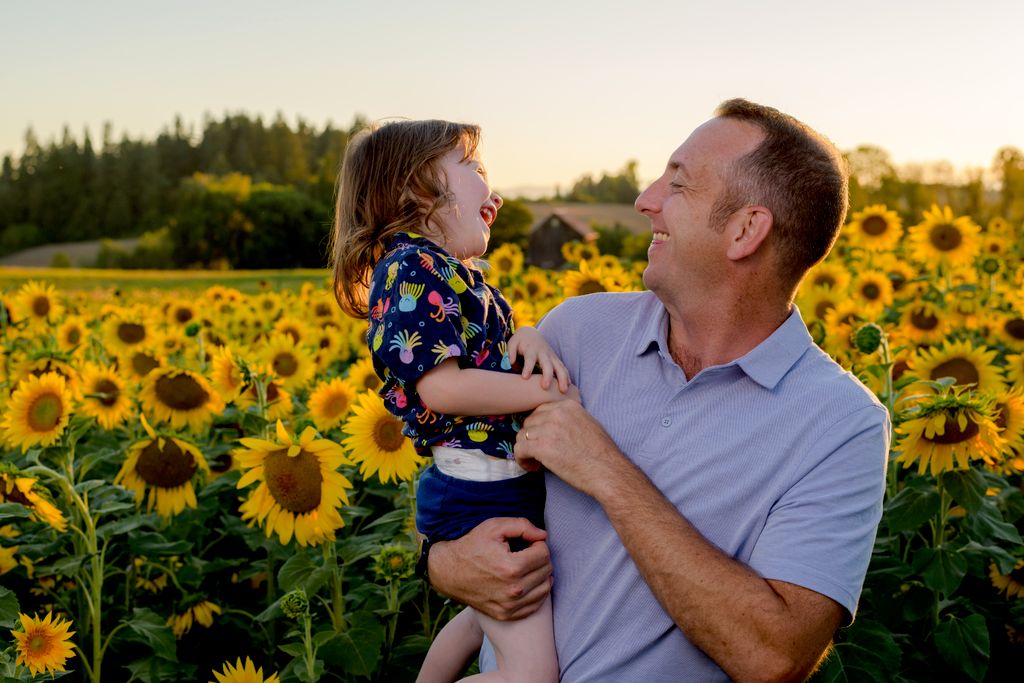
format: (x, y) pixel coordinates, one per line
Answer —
(560, 90)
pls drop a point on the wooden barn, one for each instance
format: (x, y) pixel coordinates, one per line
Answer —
(556, 224)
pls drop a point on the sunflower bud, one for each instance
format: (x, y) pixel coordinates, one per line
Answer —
(295, 604)
(867, 338)
(394, 563)
(990, 265)
(817, 330)
(192, 329)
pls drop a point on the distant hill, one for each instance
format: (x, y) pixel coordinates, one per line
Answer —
(81, 254)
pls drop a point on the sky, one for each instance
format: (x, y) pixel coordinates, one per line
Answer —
(561, 88)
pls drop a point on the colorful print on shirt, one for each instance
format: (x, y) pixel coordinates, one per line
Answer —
(427, 307)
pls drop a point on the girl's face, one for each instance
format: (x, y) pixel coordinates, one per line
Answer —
(463, 227)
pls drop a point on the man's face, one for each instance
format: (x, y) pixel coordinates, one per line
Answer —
(686, 255)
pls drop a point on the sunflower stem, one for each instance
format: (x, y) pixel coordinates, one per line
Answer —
(271, 591)
(939, 538)
(337, 594)
(307, 640)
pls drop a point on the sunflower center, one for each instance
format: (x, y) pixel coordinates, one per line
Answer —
(387, 434)
(960, 369)
(1015, 328)
(294, 481)
(822, 308)
(181, 392)
(143, 364)
(897, 280)
(336, 405)
(592, 286)
(131, 333)
(74, 335)
(371, 381)
(325, 342)
(923, 320)
(945, 237)
(15, 496)
(953, 433)
(167, 468)
(183, 315)
(322, 310)
(38, 643)
(45, 412)
(874, 225)
(871, 291)
(41, 306)
(504, 264)
(285, 364)
(294, 334)
(1003, 416)
(824, 279)
(109, 389)
(532, 288)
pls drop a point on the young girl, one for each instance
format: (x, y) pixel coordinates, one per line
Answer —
(414, 206)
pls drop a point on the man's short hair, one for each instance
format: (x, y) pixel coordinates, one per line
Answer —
(798, 175)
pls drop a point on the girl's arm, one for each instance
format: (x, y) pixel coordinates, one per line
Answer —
(471, 391)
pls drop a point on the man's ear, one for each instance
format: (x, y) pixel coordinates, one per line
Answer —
(750, 227)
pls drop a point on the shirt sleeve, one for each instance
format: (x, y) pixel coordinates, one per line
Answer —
(415, 316)
(821, 532)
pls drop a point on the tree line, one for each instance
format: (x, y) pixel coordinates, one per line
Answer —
(244, 193)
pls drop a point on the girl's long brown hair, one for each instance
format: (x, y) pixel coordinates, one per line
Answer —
(389, 183)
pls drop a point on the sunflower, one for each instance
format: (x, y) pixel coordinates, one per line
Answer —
(172, 342)
(1009, 329)
(524, 314)
(137, 363)
(179, 313)
(7, 553)
(226, 374)
(37, 303)
(72, 333)
(816, 301)
(968, 365)
(902, 276)
(506, 261)
(181, 397)
(104, 396)
(538, 284)
(577, 252)
(330, 402)
(943, 239)
(377, 443)
(43, 644)
(872, 290)
(362, 375)
(1000, 227)
(1011, 584)
(330, 346)
(16, 488)
(279, 401)
(323, 309)
(295, 328)
(38, 411)
(947, 432)
(200, 613)
(243, 673)
(840, 323)
(300, 489)
(166, 466)
(39, 363)
(922, 322)
(828, 273)
(292, 364)
(127, 329)
(875, 228)
(590, 279)
(1015, 369)
(1009, 415)
(267, 305)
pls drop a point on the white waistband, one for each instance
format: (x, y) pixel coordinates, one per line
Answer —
(474, 465)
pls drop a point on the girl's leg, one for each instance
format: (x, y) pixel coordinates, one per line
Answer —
(524, 649)
(453, 649)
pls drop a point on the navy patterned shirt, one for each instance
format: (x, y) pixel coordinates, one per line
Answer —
(426, 306)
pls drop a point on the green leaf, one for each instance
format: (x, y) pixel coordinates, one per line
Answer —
(155, 545)
(912, 507)
(964, 644)
(1005, 562)
(156, 670)
(296, 571)
(866, 652)
(988, 524)
(356, 651)
(942, 569)
(293, 649)
(9, 608)
(967, 488)
(146, 626)
(122, 526)
(15, 511)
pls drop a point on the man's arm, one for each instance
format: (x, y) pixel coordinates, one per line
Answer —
(755, 629)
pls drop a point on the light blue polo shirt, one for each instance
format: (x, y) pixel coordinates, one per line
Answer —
(778, 458)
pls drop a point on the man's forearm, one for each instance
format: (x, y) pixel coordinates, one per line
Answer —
(754, 629)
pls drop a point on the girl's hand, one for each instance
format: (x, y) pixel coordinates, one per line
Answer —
(531, 345)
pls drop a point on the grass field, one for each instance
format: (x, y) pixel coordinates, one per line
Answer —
(248, 281)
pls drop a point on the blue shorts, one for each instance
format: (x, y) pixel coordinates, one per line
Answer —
(447, 508)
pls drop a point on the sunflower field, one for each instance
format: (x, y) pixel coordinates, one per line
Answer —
(202, 483)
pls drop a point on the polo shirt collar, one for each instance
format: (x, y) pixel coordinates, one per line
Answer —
(766, 363)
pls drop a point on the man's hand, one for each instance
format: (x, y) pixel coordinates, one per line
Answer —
(479, 570)
(567, 440)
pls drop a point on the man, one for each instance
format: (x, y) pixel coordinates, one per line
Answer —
(713, 502)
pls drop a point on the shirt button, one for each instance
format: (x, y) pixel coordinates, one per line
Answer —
(666, 422)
